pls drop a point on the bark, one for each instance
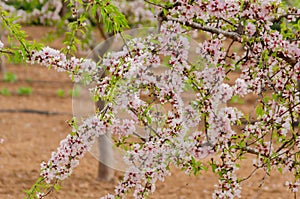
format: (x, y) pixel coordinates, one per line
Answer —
(106, 159)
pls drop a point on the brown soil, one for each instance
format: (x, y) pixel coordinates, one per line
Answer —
(30, 138)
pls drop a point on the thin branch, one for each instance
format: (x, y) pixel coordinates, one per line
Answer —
(15, 35)
(155, 4)
(126, 45)
(275, 20)
(233, 35)
(140, 137)
(228, 49)
(206, 129)
(251, 174)
(289, 60)
(100, 26)
(251, 151)
(6, 52)
(144, 122)
(261, 184)
(50, 190)
(228, 22)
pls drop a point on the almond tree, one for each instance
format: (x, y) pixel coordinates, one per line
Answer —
(186, 133)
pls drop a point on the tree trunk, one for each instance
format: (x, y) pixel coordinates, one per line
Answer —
(106, 158)
(105, 173)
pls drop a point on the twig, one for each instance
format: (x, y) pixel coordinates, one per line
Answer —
(155, 4)
(261, 183)
(289, 60)
(228, 49)
(6, 52)
(275, 20)
(228, 22)
(15, 34)
(250, 175)
(126, 45)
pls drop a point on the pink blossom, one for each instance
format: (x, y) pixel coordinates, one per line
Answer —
(53, 58)
(250, 29)
(240, 87)
(73, 147)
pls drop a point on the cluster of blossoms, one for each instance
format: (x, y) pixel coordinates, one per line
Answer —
(208, 11)
(58, 60)
(73, 147)
(188, 131)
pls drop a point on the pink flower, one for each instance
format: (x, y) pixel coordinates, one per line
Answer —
(73, 147)
(77, 68)
(250, 29)
(240, 87)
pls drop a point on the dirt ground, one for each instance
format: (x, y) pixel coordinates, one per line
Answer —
(29, 139)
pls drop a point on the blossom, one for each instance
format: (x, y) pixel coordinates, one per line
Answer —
(73, 147)
(223, 93)
(240, 87)
(1, 44)
(191, 116)
(294, 187)
(212, 51)
(250, 29)
(77, 68)
(127, 127)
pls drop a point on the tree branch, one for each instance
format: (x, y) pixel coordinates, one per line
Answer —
(155, 4)
(233, 35)
(276, 20)
(289, 60)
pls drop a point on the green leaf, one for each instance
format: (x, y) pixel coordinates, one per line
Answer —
(213, 167)
(259, 110)
(237, 100)
(57, 187)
